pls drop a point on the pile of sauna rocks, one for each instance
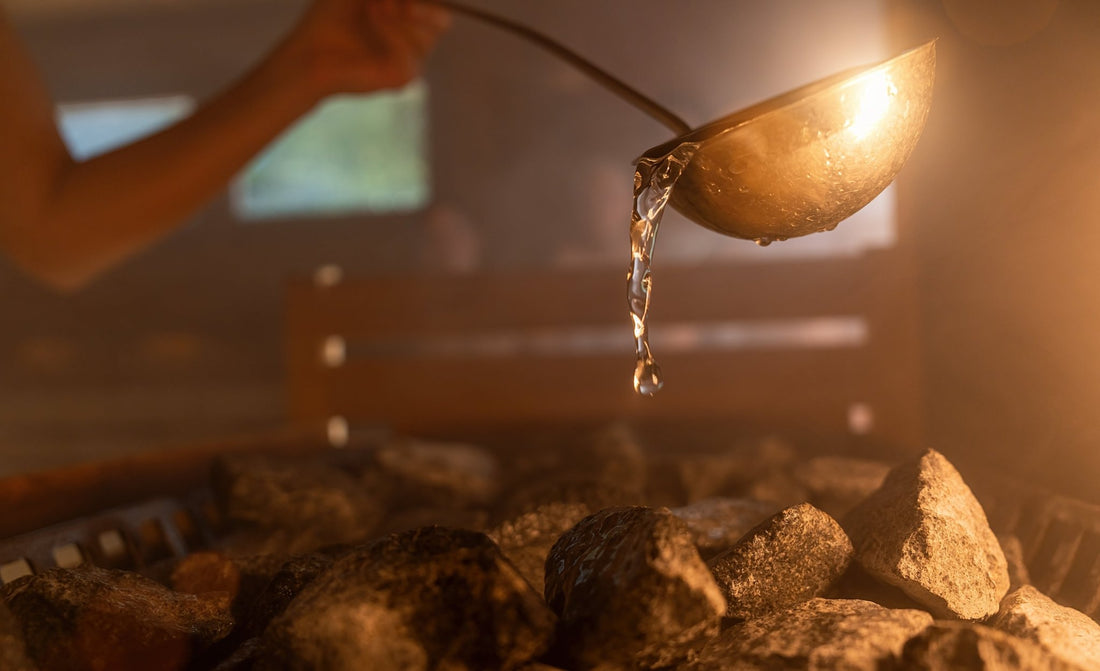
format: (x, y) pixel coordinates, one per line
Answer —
(595, 555)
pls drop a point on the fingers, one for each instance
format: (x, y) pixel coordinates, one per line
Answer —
(408, 28)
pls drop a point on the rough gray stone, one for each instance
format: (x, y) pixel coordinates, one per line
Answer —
(434, 474)
(430, 598)
(527, 539)
(717, 524)
(858, 584)
(793, 556)
(818, 635)
(305, 501)
(630, 591)
(837, 484)
(967, 646)
(13, 649)
(1066, 633)
(924, 532)
(92, 618)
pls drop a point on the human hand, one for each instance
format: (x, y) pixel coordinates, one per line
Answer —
(366, 45)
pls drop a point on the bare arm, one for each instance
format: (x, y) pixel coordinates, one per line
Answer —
(65, 222)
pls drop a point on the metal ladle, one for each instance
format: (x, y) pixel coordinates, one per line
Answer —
(795, 164)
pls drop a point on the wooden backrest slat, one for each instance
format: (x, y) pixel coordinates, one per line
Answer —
(556, 346)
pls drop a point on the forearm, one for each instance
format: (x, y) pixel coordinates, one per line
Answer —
(105, 209)
(64, 222)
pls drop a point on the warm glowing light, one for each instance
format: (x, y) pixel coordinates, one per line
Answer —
(805, 160)
(874, 103)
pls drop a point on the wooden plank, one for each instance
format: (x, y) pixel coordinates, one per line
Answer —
(394, 307)
(414, 358)
(406, 393)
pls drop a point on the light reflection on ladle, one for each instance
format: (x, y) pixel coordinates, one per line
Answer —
(795, 164)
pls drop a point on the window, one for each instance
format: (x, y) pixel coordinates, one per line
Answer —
(92, 128)
(353, 154)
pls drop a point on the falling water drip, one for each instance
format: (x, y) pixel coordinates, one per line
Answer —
(653, 183)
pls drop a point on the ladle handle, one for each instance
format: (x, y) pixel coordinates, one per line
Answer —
(628, 93)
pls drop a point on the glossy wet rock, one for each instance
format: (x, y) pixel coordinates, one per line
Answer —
(793, 556)
(717, 524)
(630, 591)
(924, 532)
(431, 598)
(526, 540)
(91, 618)
(967, 646)
(1066, 633)
(820, 634)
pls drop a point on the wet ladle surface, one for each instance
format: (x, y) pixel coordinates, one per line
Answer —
(795, 164)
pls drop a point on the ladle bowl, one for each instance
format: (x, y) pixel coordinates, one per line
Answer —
(804, 161)
(795, 164)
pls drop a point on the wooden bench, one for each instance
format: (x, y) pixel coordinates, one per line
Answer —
(825, 346)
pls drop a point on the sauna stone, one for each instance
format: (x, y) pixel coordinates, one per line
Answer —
(430, 598)
(819, 634)
(527, 539)
(316, 501)
(793, 556)
(13, 649)
(1018, 574)
(836, 484)
(717, 524)
(291, 578)
(431, 474)
(608, 455)
(243, 658)
(968, 646)
(92, 618)
(414, 518)
(778, 488)
(537, 493)
(735, 471)
(630, 591)
(240, 578)
(924, 532)
(1066, 633)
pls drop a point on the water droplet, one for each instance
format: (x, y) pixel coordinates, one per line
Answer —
(647, 376)
(763, 242)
